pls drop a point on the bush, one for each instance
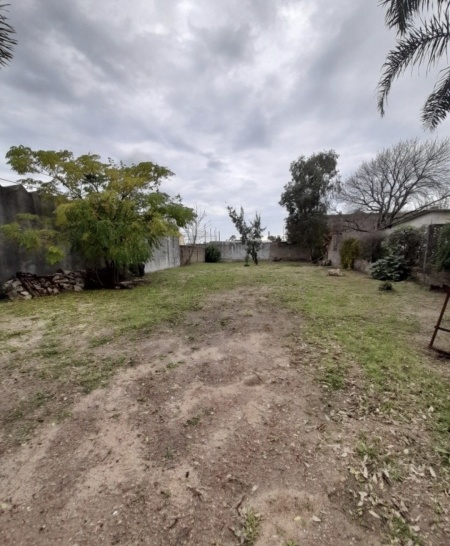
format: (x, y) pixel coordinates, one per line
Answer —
(349, 252)
(391, 268)
(406, 242)
(212, 254)
(442, 252)
(371, 247)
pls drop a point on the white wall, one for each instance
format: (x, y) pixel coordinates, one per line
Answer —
(166, 256)
(235, 252)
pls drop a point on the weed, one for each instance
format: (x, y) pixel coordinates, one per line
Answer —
(173, 365)
(333, 376)
(194, 421)
(252, 527)
(168, 454)
(400, 530)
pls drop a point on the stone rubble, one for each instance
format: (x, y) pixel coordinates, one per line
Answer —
(24, 286)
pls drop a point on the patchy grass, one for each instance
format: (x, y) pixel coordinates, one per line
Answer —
(347, 317)
(252, 527)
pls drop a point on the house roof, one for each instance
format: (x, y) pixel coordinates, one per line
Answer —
(412, 215)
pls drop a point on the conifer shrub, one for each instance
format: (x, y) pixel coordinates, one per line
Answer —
(349, 252)
(212, 254)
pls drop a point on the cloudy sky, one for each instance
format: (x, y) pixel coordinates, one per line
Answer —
(226, 93)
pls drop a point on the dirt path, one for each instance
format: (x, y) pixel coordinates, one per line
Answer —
(221, 425)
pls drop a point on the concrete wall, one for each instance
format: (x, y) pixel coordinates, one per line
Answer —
(15, 200)
(235, 251)
(167, 255)
(197, 255)
(287, 252)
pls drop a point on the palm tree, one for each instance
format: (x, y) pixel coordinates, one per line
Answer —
(7, 42)
(419, 44)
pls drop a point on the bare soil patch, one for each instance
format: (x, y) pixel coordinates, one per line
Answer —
(223, 418)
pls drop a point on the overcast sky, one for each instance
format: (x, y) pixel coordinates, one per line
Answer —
(226, 93)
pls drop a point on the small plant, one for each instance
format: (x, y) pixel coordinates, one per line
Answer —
(386, 285)
(252, 525)
(391, 268)
(212, 254)
(194, 421)
(349, 252)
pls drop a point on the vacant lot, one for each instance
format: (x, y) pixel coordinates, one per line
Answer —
(221, 405)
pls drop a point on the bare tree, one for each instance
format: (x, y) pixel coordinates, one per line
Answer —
(409, 175)
(195, 231)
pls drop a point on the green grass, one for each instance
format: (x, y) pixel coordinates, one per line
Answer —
(252, 526)
(346, 318)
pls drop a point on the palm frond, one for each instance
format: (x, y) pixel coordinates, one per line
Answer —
(427, 43)
(400, 13)
(7, 42)
(437, 105)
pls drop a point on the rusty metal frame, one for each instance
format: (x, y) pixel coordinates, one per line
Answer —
(438, 324)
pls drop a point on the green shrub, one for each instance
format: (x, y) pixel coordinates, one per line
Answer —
(349, 252)
(212, 254)
(371, 247)
(406, 242)
(442, 252)
(391, 268)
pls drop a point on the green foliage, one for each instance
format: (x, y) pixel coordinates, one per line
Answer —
(391, 268)
(442, 253)
(406, 242)
(7, 42)
(251, 234)
(212, 254)
(106, 211)
(371, 247)
(34, 234)
(424, 38)
(349, 252)
(402, 251)
(306, 198)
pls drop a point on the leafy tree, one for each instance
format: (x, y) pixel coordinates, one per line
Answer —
(251, 234)
(419, 43)
(7, 41)
(411, 174)
(105, 211)
(306, 198)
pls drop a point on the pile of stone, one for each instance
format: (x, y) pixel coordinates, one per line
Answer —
(24, 286)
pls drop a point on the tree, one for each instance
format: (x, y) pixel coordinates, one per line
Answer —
(251, 234)
(423, 43)
(195, 230)
(410, 174)
(106, 212)
(7, 41)
(306, 198)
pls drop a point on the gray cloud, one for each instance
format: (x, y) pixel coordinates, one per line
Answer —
(225, 94)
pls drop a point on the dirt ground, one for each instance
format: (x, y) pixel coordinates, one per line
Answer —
(221, 423)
